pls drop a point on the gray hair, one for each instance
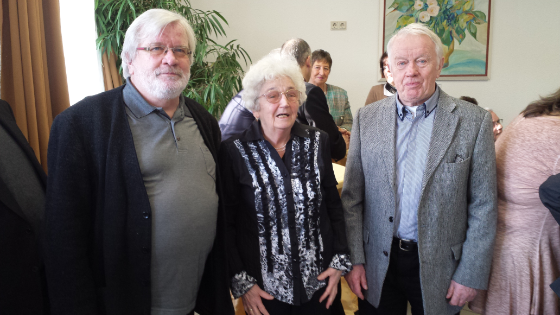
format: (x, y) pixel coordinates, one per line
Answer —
(152, 23)
(488, 109)
(271, 67)
(417, 29)
(298, 49)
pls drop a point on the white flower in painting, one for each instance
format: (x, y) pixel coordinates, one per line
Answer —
(419, 5)
(433, 10)
(424, 17)
(432, 2)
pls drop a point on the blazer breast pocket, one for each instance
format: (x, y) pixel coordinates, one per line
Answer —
(458, 169)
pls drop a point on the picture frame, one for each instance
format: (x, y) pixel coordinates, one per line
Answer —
(462, 25)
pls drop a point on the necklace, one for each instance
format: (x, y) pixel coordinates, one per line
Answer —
(282, 148)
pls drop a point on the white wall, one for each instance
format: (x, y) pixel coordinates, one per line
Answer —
(524, 45)
(83, 68)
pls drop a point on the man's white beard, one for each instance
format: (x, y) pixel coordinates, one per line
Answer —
(165, 90)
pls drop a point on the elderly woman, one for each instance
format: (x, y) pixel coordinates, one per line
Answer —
(337, 98)
(286, 227)
(527, 251)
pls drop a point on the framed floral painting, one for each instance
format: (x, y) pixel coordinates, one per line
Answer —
(462, 25)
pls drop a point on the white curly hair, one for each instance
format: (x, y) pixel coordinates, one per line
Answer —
(271, 67)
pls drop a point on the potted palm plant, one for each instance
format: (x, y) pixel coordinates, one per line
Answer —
(216, 71)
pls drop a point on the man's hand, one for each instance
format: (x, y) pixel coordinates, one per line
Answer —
(357, 280)
(459, 294)
(252, 301)
(332, 288)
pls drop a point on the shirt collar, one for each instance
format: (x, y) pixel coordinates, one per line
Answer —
(254, 132)
(430, 105)
(389, 90)
(141, 108)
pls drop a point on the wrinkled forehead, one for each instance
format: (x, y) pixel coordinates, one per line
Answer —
(413, 46)
(172, 32)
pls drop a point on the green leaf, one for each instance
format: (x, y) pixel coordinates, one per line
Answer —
(469, 5)
(402, 5)
(404, 21)
(463, 18)
(446, 39)
(472, 29)
(459, 34)
(480, 17)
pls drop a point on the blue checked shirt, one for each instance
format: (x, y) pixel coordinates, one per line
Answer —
(413, 141)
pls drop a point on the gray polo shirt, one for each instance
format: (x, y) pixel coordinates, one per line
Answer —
(179, 174)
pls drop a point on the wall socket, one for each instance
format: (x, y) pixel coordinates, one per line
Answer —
(338, 25)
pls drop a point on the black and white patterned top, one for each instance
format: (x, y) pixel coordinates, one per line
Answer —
(296, 210)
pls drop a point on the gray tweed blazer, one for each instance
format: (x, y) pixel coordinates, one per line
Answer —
(457, 210)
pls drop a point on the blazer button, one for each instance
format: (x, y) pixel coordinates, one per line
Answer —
(146, 214)
(390, 219)
(385, 253)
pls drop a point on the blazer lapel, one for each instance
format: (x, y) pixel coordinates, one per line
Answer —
(9, 201)
(386, 132)
(445, 124)
(13, 130)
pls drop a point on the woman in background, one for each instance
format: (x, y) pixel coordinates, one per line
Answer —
(381, 91)
(337, 98)
(287, 239)
(527, 250)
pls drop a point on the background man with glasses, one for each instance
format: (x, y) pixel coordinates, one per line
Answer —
(133, 225)
(498, 128)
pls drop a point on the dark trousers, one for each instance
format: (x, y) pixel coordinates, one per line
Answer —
(275, 307)
(402, 285)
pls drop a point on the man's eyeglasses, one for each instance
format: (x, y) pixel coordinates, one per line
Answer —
(498, 122)
(274, 96)
(157, 50)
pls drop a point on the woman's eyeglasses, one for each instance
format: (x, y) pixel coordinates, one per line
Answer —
(274, 96)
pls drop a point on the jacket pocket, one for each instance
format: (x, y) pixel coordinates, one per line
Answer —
(457, 250)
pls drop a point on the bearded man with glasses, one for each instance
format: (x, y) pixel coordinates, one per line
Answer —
(132, 218)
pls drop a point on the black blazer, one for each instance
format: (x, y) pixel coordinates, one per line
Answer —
(98, 215)
(315, 112)
(549, 193)
(21, 265)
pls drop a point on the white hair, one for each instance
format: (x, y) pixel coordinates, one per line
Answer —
(488, 109)
(151, 24)
(417, 29)
(271, 67)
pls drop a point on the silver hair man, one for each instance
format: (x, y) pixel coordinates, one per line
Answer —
(151, 23)
(417, 29)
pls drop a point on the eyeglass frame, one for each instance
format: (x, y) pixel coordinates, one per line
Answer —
(167, 48)
(281, 93)
(499, 122)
